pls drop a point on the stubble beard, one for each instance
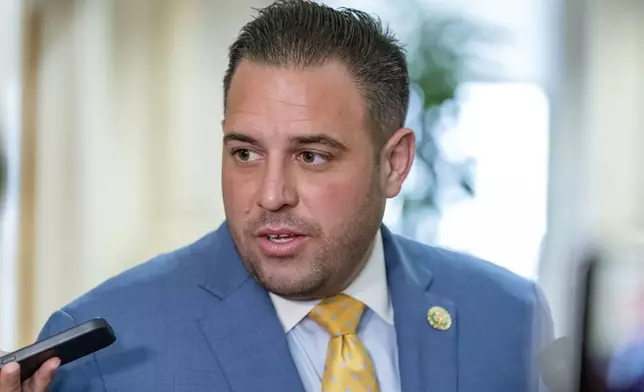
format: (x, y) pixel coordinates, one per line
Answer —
(335, 263)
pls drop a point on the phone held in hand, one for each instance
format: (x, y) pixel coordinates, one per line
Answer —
(69, 345)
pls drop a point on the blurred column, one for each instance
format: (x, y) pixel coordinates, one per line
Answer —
(127, 106)
(615, 102)
(597, 142)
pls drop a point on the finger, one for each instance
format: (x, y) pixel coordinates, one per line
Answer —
(43, 376)
(10, 378)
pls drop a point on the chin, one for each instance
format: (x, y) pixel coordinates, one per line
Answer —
(293, 290)
(288, 280)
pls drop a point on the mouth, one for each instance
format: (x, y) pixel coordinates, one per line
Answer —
(279, 234)
(281, 242)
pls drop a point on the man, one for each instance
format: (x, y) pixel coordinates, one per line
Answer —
(303, 288)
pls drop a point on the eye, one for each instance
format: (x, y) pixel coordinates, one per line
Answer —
(313, 158)
(245, 155)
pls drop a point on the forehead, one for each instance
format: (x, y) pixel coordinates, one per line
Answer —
(276, 100)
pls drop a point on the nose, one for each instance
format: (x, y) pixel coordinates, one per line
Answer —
(278, 190)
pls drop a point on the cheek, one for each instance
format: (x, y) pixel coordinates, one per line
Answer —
(237, 193)
(333, 199)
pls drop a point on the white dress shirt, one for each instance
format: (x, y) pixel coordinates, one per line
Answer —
(308, 341)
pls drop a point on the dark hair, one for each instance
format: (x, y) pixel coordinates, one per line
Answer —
(304, 33)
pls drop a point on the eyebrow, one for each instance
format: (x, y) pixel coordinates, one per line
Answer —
(239, 137)
(302, 140)
(319, 139)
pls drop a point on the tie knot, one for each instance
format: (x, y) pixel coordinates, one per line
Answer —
(339, 315)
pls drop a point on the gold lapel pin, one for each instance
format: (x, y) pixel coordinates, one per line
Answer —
(439, 318)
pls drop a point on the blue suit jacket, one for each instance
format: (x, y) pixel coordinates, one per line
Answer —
(193, 320)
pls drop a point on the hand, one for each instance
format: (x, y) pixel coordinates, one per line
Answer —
(10, 377)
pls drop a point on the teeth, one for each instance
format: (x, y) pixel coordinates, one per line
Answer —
(281, 238)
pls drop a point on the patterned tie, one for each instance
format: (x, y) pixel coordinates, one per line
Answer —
(348, 367)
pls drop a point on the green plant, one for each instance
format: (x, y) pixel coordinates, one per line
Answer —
(442, 55)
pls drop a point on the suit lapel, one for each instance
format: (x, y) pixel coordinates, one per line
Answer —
(427, 356)
(243, 330)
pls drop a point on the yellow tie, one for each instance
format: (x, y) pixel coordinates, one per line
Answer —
(348, 366)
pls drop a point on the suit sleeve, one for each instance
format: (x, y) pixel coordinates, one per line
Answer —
(82, 375)
(543, 333)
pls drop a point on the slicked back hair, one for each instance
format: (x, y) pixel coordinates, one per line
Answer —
(301, 33)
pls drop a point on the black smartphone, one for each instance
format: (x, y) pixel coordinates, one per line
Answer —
(70, 345)
(613, 327)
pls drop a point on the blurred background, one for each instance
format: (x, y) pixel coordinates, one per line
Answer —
(528, 115)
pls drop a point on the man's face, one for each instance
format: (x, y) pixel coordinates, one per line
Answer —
(302, 191)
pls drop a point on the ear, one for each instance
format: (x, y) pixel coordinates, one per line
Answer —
(396, 159)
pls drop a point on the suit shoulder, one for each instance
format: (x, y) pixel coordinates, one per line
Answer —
(458, 269)
(164, 271)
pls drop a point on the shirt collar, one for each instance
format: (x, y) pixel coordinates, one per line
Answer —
(370, 287)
